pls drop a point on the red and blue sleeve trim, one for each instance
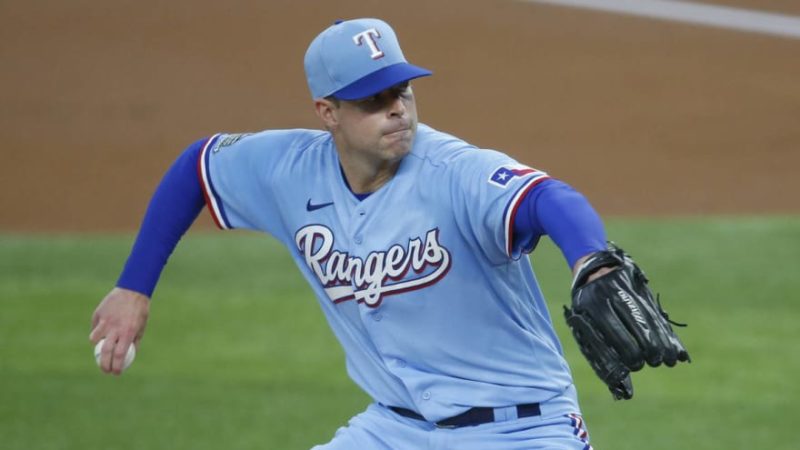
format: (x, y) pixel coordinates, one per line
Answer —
(213, 200)
(513, 206)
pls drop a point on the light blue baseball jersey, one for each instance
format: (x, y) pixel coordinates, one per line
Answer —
(421, 282)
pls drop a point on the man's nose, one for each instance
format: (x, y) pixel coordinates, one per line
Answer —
(397, 107)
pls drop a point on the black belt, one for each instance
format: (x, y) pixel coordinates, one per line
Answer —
(470, 417)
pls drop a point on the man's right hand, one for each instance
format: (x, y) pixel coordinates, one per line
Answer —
(120, 318)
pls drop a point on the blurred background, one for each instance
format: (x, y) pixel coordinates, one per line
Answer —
(684, 136)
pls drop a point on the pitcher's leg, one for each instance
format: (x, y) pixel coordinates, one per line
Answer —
(378, 428)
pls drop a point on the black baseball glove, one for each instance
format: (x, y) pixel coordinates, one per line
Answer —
(618, 323)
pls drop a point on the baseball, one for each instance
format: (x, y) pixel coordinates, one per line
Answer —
(128, 357)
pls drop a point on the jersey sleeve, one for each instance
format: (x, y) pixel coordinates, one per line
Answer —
(487, 188)
(237, 173)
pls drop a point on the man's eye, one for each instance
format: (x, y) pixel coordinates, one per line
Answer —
(370, 100)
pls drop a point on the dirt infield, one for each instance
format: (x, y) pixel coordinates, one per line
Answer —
(643, 116)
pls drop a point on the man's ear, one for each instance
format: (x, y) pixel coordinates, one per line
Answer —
(327, 112)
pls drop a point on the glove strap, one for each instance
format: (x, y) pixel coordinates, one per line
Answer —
(605, 258)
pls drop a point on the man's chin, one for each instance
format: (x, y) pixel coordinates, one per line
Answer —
(400, 146)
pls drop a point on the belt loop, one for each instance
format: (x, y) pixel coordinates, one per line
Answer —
(505, 413)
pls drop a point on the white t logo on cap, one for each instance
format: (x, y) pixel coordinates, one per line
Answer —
(369, 37)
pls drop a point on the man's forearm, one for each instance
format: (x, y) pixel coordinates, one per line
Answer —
(173, 208)
(555, 209)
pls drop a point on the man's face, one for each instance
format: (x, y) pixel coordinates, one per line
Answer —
(381, 127)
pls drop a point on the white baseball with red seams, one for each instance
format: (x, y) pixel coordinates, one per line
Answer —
(128, 356)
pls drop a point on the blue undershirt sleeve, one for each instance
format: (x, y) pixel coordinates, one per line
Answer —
(175, 205)
(555, 209)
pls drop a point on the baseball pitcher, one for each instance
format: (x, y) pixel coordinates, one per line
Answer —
(415, 244)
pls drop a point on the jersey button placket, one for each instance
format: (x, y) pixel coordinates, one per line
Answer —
(358, 238)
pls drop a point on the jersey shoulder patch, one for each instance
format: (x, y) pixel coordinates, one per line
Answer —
(504, 175)
(226, 140)
(272, 140)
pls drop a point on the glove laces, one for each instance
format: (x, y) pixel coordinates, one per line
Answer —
(665, 315)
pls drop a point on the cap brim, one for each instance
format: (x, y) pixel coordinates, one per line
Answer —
(380, 80)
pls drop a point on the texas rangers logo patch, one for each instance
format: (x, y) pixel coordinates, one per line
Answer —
(503, 175)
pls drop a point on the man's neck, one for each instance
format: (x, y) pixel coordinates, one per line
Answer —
(364, 176)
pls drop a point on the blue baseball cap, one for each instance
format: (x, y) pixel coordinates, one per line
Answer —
(358, 58)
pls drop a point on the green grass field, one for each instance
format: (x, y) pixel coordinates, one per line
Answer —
(237, 354)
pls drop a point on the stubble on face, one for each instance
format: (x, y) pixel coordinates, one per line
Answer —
(372, 135)
(382, 126)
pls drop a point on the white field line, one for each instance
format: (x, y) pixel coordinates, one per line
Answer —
(695, 13)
